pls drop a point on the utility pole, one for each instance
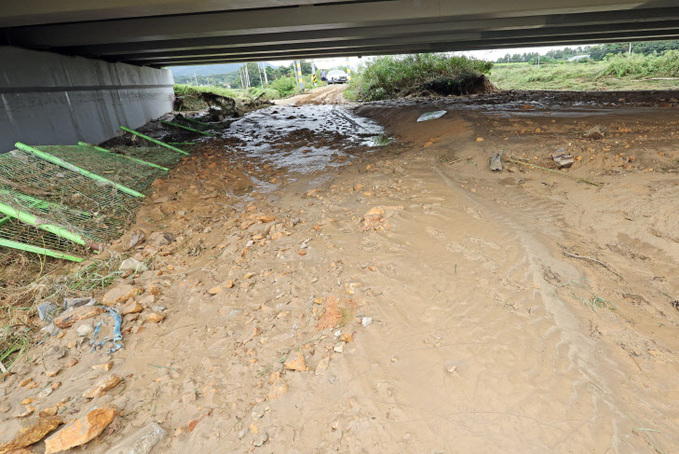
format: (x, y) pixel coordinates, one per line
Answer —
(630, 49)
(240, 74)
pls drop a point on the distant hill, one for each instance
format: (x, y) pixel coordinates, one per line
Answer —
(207, 70)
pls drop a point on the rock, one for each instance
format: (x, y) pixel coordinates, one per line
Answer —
(155, 317)
(373, 217)
(496, 162)
(153, 288)
(31, 434)
(47, 311)
(133, 307)
(26, 413)
(49, 411)
(141, 442)
(85, 330)
(104, 366)
(52, 373)
(67, 319)
(147, 301)
(366, 321)
(260, 439)
(296, 362)
(214, 290)
(278, 389)
(562, 160)
(81, 431)
(512, 169)
(137, 237)
(78, 302)
(162, 238)
(339, 347)
(595, 133)
(102, 386)
(133, 265)
(322, 366)
(120, 294)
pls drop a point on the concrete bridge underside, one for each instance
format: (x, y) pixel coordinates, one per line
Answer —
(179, 32)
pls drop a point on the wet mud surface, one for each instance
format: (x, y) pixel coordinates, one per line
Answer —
(319, 294)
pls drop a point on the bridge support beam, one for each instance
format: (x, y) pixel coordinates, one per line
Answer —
(46, 98)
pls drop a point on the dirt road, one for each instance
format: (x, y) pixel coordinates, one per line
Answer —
(322, 294)
(328, 94)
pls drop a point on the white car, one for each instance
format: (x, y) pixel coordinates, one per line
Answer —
(337, 76)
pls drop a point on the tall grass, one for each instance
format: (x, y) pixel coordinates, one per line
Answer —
(619, 72)
(666, 65)
(391, 76)
(253, 92)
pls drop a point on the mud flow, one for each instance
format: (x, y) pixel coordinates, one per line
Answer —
(303, 139)
(306, 291)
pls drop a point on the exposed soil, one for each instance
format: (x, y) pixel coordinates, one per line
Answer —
(437, 306)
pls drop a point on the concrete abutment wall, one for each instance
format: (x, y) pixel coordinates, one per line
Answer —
(48, 99)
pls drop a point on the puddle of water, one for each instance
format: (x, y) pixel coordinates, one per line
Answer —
(306, 138)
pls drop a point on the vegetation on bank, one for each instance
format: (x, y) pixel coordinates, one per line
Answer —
(616, 72)
(397, 76)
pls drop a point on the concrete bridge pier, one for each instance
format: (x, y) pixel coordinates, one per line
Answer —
(47, 98)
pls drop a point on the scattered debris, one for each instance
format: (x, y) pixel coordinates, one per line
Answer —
(535, 166)
(496, 162)
(67, 319)
(562, 159)
(595, 133)
(431, 115)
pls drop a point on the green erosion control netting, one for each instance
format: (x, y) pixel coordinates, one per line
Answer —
(58, 200)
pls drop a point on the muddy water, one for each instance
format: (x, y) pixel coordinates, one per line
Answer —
(472, 351)
(289, 136)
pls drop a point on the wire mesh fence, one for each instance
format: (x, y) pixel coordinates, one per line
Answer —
(58, 200)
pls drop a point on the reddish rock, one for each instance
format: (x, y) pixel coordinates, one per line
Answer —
(67, 319)
(296, 362)
(120, 294)
(81, 431)
(102, 386)
(31, 434)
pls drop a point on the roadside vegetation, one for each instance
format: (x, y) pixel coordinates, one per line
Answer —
(618, 72)
(399, 76)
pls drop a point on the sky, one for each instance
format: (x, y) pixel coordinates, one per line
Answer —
(491, 55)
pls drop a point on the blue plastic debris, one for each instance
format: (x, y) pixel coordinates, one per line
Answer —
(116, 340)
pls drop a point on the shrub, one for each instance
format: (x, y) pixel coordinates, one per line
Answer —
(393, 76)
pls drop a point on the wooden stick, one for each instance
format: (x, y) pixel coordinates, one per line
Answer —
(584, 257)
(584, 180)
